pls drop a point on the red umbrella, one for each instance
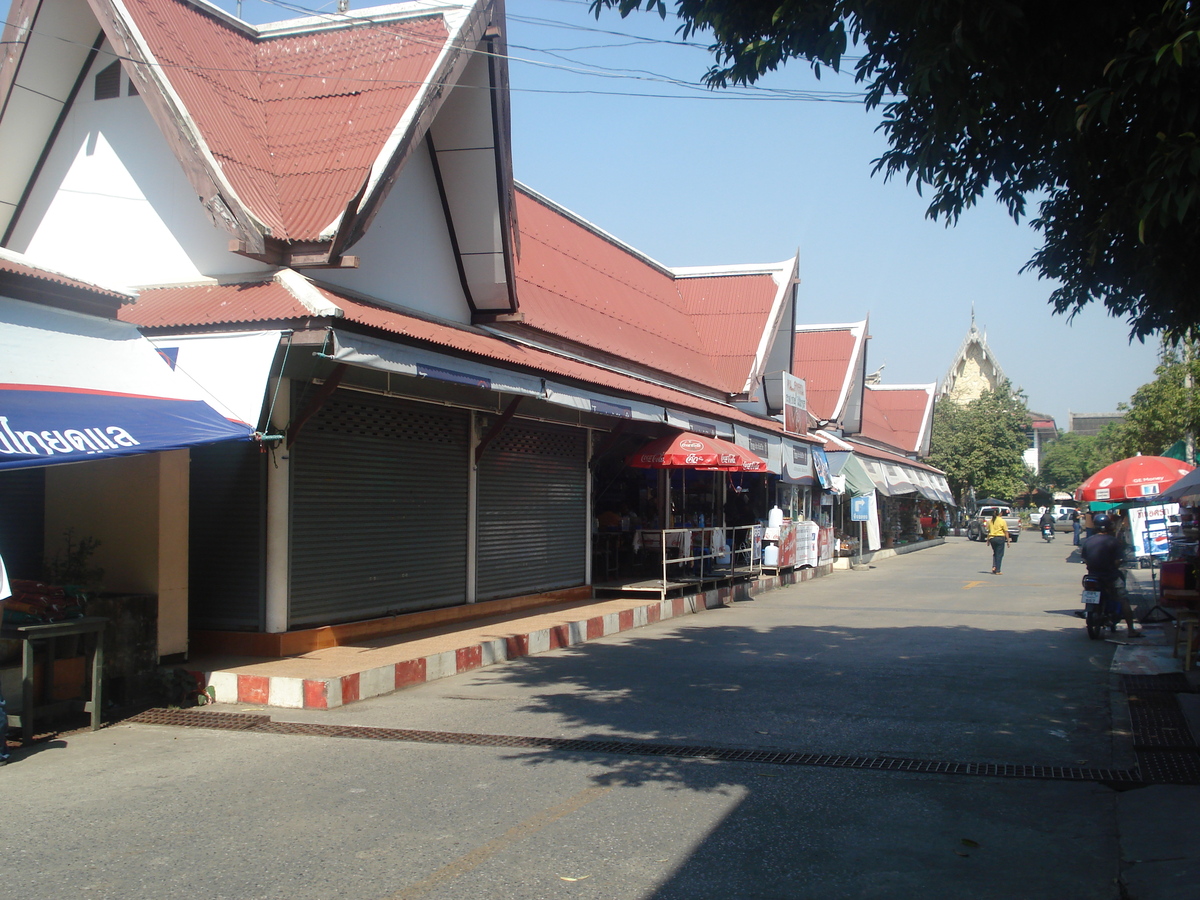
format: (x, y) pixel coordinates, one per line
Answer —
(1133, 479)
(695, 451)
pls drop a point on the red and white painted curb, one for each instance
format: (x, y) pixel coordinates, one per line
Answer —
(328, 693)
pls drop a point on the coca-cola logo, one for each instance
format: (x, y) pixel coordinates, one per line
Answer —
(691, 446)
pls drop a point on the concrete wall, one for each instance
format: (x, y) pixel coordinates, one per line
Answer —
(137, 507)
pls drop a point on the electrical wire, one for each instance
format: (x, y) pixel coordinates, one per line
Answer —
(582, 70)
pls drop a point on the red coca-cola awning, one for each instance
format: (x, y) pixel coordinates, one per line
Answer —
(687, 450)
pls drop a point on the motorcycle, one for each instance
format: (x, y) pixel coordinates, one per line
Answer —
(1102, 610)
(1048, 533)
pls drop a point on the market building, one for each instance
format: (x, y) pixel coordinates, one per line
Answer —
(447, 374)
(875, 436)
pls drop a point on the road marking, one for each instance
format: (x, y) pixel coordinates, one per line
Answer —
(971, 584)
(519, 832)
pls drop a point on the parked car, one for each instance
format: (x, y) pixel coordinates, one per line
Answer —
(978, 526)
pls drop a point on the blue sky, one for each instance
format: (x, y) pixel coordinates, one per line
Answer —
(621, 134)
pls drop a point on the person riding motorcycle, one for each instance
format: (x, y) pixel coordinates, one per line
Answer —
(1047, 521)
(1102, 553)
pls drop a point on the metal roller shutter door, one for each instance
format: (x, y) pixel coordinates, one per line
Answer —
(379, 510)
(532, 524)
(227, 525)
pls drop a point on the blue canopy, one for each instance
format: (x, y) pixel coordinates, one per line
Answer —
(75, 387)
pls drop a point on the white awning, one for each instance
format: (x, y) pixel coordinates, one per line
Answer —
(230, 369)
(387, 356)
(604, 405)
(699, 425)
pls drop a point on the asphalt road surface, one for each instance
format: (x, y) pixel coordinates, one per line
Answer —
(925, 656)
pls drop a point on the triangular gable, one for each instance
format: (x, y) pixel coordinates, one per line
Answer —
(974, 369)
(899, 416)
(576, 283)
(737, 313)
(291, 134)
(831, 359)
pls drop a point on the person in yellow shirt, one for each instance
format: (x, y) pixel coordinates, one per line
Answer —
(997, 536)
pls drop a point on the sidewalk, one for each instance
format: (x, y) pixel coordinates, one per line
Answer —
(335, 676)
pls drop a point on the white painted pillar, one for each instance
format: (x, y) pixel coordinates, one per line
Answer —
(278, 513)
(472, 507)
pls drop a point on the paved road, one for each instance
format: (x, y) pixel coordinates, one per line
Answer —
(924, 656)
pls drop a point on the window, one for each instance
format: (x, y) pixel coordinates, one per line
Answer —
(108, 82)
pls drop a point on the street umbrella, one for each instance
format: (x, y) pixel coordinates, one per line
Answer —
(686, 450)
(1185, 490)
(1136, 478)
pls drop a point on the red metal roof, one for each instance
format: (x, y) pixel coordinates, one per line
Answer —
(823, 358)
(729, 313)
(479, 343)
(295, 120)
(268, 301)
(897, 416)
(576, 283)
(29, 270)
(214, 304)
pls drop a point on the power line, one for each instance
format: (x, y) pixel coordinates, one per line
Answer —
(580, 69)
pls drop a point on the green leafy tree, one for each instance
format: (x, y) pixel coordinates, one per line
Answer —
(980, 444)
(1089, 107)
(1069, 460)
(1164, 410)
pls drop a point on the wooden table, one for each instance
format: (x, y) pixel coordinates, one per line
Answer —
(28, 635)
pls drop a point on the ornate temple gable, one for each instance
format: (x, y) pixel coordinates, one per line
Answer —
(974, 369)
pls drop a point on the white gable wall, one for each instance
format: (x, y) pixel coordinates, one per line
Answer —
(406, 259)
(112, 204)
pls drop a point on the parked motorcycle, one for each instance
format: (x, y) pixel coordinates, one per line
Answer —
(1102, 608)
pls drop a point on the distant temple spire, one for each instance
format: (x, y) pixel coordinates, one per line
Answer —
(974, 369)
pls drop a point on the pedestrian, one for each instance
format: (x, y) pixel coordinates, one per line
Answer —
(5, 593)
(997, 536)
(1076, 525)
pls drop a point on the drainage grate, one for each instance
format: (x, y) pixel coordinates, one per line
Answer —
(1175, 682)
(1158, 723)
(195, 718)
(1170, 766)
(263, 725)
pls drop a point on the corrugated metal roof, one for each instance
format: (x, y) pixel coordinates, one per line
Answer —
(824, 359)
(729, 313)
(896, 415)
(214, 304)
(480, 343)
(30, 270)
(295, 121)
(577, 283)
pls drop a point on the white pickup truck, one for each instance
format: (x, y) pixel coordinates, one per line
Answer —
(977, 528)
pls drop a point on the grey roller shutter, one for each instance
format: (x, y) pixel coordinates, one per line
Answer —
(532, 522)
(227, 534)
(379, 509)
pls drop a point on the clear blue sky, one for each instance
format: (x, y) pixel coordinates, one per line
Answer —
(609, 121)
